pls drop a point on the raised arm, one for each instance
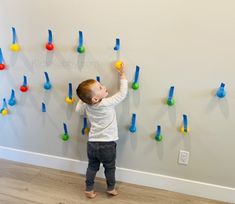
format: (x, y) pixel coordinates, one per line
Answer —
(119, 96)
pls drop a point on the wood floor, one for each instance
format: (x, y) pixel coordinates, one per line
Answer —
(27, 184)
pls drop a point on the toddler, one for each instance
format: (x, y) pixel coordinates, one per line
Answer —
(101, 146)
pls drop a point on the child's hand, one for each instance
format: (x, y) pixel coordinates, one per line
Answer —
(121, 71)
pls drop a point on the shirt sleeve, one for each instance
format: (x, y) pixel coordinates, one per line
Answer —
(80, 108)
(119, 96)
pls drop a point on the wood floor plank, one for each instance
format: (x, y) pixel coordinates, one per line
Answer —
(14, 170)
(26, 184)
(14, 200)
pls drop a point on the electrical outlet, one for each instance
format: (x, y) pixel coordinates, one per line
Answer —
(183, 157)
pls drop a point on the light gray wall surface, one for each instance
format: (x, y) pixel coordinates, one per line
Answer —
(187, 44)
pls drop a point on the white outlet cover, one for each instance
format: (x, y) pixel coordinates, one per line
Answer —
(183, 157)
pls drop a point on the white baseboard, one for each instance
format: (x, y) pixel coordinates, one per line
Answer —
(169, 183)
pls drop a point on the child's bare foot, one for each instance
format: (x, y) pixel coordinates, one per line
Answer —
(90, 194)
(113, 192)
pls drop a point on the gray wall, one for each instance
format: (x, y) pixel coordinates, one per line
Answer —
(188, 44)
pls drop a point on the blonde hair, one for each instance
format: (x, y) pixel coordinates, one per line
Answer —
(84, 91)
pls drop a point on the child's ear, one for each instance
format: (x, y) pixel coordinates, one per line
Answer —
(94, 99)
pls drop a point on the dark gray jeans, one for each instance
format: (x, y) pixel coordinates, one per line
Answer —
(105, 153)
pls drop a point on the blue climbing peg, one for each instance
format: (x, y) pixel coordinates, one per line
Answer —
(65, 136)
(80, 48)
(221, 92)
(49, 45)
(185, 128)
(133, 123)
(24, 86)
(12, 100)
(135, 84)
(85, 128)
(4, 110)
(70, 99)
(47, 85)
(170, 100)
(158, 136)
(98, 78)
(117, 45)
(43, 107)
(2, 65)
(15, 47)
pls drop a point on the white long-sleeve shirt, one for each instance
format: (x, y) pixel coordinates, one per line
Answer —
(102, 116)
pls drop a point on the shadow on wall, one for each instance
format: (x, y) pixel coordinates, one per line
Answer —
(164, 109)
(217, 102)
(49, 57)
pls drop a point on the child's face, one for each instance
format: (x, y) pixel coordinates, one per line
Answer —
(99, 92)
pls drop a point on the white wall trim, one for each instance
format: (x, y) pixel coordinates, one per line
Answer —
(185, 186)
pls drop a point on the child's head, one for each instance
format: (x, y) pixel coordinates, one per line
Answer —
(91, 91)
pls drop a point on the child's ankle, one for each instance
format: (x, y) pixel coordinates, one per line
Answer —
(112, 192)
(90, 194)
